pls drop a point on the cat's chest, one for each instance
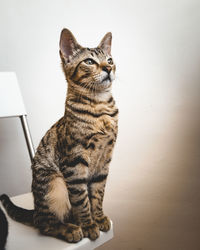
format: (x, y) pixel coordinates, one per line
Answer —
(106, 124)
(102, 141)
(104, 132)
(105, 128)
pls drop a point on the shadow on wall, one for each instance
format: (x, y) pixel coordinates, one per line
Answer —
(153, 196)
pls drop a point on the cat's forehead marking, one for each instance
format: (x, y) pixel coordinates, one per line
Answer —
(96, 53)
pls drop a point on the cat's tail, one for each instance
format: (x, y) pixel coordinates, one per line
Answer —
(18, 214)
(3, 230)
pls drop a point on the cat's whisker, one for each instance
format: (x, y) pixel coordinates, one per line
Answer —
(95, 88)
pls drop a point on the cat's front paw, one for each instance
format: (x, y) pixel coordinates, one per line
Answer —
(73, 233)
(91, 231)
(103, 223)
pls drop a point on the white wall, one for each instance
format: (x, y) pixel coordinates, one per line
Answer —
(156, 48)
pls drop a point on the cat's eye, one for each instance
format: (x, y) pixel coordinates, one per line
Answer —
(110, 61)
(89, 61)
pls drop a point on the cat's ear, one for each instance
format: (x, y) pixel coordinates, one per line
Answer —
(68, 44)
(105, 43)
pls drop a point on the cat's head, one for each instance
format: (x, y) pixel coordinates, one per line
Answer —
(90, 69)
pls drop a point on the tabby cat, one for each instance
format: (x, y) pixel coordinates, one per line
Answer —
(71, 164)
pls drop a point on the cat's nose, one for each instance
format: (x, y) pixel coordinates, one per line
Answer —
(107, 68)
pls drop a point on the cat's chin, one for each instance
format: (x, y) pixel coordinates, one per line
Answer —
(102, 87)
(105, 85)
(107, 81)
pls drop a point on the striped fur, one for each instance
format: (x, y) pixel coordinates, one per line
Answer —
(71, 164)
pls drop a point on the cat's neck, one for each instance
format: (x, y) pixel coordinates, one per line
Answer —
(98, 97)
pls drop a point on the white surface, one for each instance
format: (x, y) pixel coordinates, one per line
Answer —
(22, 237)
(11, 102)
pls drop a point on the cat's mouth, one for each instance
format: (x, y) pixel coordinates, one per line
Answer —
(106, 79)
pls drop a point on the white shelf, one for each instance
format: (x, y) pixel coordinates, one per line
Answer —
(22, 237)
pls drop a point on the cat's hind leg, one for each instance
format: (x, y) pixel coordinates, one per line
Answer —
(52, 209)
(48, 225)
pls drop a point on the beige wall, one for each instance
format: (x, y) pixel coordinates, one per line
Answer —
(153, 188)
